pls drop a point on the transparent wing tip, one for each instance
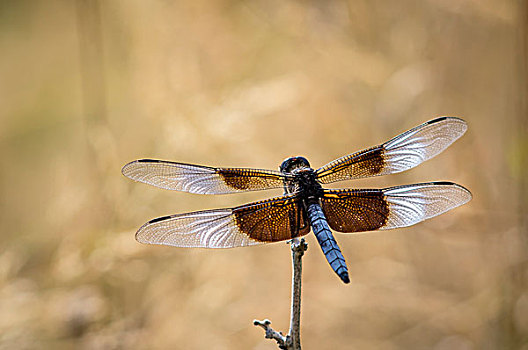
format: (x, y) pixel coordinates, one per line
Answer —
(462, 194)
(129, 170)
(455, 122)
(144, 234)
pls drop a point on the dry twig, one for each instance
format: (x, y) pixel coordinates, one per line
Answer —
(292, 341)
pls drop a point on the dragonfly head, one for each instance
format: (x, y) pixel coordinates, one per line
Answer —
(292, 163)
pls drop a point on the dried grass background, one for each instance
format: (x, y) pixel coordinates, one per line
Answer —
(87, 86)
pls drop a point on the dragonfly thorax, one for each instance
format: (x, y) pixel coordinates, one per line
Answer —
(306, 183)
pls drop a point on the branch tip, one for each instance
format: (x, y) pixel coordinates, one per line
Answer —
(264, 323)
(298, 246)
(271, 333)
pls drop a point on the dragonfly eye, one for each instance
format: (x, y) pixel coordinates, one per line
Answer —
(293, 163)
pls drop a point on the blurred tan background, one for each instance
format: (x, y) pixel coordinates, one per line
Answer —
(87, 86)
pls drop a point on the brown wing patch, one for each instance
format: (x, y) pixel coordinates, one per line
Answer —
(355, 210)
(366, 163)
(272, 220)
(249, 179)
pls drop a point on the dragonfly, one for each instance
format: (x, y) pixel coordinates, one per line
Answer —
(305, 204)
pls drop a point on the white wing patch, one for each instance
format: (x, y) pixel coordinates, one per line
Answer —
(412, 204)
(421, 143)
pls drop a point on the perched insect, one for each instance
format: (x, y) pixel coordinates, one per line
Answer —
(305, 203)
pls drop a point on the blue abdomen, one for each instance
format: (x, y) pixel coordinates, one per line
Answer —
(327, 241)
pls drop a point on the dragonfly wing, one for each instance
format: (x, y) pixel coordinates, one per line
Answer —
(201, 179)
(401, 153)
(380, 209)
(267, 221)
